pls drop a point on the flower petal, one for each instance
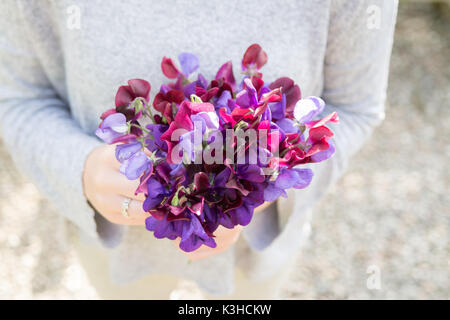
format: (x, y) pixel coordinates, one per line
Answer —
(140, 88)
(169, 69)
(189, 63)
(254, 55)
(226, 72)
(135, 166)
(124, 96)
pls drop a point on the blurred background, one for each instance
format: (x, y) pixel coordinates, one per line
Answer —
(381, 233)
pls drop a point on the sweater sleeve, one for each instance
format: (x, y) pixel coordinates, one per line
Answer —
(355, 75)
(36, 125)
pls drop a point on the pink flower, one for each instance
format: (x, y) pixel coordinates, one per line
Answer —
(254, 59)
(169, 69)
(183, 121)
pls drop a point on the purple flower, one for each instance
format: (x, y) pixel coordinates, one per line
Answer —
(189, 63)
(164, 229)
(247, 97)
(112, 127)
(242, 215)
(193, 235)
(250, 172)
(155, 194)
(155, 143)
(288, 126)
(136, 165)
(287, 178)
(190, 230)
(222, 101)
(279, 108)
(127, 150)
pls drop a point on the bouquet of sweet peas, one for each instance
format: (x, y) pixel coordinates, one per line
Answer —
(208, 153)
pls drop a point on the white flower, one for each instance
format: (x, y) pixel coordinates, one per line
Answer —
(306, 109)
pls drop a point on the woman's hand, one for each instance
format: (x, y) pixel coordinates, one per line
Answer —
(224, 239)
(106, 188)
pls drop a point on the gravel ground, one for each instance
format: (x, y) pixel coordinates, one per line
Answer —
(387, 216)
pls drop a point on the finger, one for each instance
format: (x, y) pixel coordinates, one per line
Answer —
(119, 184)
(136, 215)
(110, 155)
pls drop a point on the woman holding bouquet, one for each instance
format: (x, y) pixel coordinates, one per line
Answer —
(59, 63)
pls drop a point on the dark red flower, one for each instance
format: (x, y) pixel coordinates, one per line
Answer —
(163, 103)
(254, 58)
(292, 92)
(126, 94)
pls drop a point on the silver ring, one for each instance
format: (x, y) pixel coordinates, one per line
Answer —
(125, 206)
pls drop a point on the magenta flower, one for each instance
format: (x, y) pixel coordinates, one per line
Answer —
(183, 121)
(226, 73)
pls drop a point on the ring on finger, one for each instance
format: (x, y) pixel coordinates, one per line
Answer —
(125, 206)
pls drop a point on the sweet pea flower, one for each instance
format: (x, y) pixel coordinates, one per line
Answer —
(190, 231)
(287, 178)
(288, 125)
(136, 165)
(136, 88)
(307, 109)
(290, 90)
(127, 150)
(112, 127)
(163, 103)
(183, 121)
(254, 59)
(278, 109)
(154, 142)
(204, 122)
(189, 64)
(155, 194)
(248, 97)
(225, 72)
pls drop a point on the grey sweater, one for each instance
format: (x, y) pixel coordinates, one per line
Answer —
(57, 76)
